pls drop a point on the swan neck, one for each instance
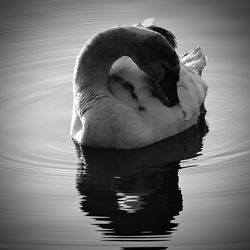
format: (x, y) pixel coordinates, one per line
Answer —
(99, 54)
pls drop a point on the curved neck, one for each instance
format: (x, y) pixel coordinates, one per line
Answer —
(148, 49)
(98, 55)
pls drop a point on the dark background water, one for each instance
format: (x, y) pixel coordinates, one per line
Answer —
(188, 192)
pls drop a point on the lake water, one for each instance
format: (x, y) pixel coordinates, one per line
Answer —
(188, 192)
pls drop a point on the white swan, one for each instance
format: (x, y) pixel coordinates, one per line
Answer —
(124, 93)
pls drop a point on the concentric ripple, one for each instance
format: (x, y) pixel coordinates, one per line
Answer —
(188, 192)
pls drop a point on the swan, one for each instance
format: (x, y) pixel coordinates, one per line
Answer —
(131, 89)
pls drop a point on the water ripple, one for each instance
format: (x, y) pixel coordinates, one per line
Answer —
(183, 193)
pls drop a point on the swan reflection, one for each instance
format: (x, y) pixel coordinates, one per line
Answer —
(135, 194)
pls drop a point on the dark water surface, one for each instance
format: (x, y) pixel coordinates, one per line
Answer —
(188, 192)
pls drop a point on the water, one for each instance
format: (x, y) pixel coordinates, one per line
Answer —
(188, 192)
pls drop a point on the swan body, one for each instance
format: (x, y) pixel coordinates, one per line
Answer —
(122, 90)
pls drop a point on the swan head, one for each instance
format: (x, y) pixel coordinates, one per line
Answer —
(162, 67)
(169, 36)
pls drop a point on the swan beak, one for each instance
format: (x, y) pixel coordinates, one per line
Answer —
(171, 76)
(169, 85)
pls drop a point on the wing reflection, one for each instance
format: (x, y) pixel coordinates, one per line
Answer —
(134, 194)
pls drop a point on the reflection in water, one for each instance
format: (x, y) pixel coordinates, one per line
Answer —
(39, 207)
(134, 194)
(139, 205)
